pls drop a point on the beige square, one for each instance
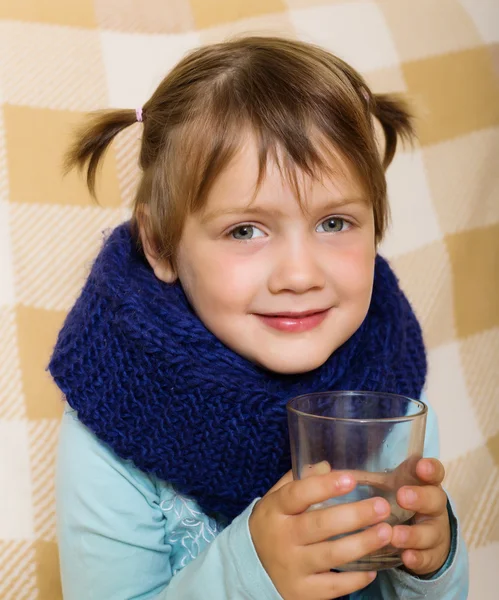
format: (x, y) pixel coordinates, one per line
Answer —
(37, 336)
(126, 148)
(474, 257)
(493, 446)
(389, 79)
(18, 571)
(217, 12)
(56, 12)
(47, 570)
(36, 142)
(425, 28)
(426, 278)
(464, 180)
(454, 94)
(4, 176)
(277, 24)
(155, 16)
(479, 357)
(494, 53)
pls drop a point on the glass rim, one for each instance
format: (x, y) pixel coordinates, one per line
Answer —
(423, 408)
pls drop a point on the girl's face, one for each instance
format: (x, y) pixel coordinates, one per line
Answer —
(281, 286)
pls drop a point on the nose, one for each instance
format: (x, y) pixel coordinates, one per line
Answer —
(297, 268)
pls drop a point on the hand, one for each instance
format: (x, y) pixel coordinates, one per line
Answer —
(294, 547)
(427, 542)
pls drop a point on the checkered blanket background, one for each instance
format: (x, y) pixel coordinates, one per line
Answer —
(60, 59)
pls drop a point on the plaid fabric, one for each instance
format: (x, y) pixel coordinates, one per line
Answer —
(61, 59)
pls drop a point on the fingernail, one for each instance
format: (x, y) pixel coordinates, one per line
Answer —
(372, 575)
(380, 507)
(410, 496)
(384, 532)
(322, 468)
(345, 481)
(429, 469)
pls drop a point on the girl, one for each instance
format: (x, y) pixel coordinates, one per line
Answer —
(247, 275)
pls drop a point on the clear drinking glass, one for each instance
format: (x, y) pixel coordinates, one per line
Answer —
(376, 437)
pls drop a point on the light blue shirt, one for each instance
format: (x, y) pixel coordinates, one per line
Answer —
(126, 535)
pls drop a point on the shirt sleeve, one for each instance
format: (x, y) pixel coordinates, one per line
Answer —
(451, 582)
(116, 544)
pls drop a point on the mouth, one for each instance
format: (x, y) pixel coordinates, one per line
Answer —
(294, 322)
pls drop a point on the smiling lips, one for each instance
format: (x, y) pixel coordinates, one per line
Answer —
(295, 322)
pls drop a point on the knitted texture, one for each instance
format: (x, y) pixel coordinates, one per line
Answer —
(149, 379)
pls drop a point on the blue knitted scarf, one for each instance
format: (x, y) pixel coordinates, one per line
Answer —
(149, 379)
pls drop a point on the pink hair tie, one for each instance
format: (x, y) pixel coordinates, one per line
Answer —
(138, 112)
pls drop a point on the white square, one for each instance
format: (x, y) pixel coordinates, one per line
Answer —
(479, 354)
(413, 220)
(51, 263)
(136, 64)
(485, 14)
(357, 33)
(16, 512)
(51, 66)
(448, 394)
(7, 295)
(12, 401)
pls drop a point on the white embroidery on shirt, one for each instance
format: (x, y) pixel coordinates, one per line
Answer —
(192, 533)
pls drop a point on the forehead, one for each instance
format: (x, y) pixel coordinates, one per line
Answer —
(237, 185)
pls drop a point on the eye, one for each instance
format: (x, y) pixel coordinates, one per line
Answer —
(246, 232)
(333, 225)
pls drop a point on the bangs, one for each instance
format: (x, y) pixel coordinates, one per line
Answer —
(296, 145)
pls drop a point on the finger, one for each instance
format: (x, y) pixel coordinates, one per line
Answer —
(421, 562)
(295, 497)
(430, 471)
(417, 537)
(426, 500)
(334, 585)
(332, 554)
(318, 525)
(285, 479)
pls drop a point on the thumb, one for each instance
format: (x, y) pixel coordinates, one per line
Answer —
(308, 470)
(285, 479)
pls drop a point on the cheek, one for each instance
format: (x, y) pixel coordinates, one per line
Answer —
(354, 272)
(213, 281)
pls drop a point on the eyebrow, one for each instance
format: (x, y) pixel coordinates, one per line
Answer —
(330, 206)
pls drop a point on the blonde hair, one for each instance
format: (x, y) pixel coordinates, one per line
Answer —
(284, 91)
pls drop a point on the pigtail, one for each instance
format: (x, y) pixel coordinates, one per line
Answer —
(396, 119)
(92, 140)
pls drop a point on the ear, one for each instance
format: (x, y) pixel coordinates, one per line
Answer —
(163, 268)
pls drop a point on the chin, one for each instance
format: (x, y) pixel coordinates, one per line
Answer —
(286, 365)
